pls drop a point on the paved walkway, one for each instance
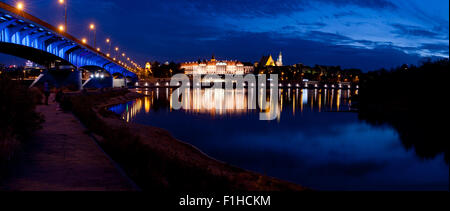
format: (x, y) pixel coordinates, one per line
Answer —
(63, 157)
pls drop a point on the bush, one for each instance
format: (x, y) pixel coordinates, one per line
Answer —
(19, 118)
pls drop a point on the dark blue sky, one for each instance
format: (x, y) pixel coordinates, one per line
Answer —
(351, 33)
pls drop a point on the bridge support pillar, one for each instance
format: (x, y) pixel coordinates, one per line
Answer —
(70, 79)
(96, 82)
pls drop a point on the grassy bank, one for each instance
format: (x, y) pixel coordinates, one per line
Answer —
(154, 159)
(18, 117)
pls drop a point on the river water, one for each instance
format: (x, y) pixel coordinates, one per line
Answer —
(315, 140)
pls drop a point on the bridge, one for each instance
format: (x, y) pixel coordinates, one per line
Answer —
(28, 37)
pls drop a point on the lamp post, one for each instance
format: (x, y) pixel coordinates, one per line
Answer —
(64, 2)
(108, 42)
(92, 27)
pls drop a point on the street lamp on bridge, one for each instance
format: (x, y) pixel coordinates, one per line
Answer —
(92, 27)
(20, 6)
(64, 2)
(61, 28)
(108, 42)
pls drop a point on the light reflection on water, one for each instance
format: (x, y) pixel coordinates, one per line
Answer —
(314, 141)
(220, 102)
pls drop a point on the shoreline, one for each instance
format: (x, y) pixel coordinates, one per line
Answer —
(190, 156)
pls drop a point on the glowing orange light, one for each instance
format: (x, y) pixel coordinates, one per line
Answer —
(20, 6)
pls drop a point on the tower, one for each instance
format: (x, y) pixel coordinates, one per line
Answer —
(280, 59)
(148, 66)
(147, 71)
(267, 61)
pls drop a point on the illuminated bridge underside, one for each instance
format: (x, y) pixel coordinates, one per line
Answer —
(28, 37)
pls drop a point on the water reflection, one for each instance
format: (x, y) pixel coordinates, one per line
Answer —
(221, 102)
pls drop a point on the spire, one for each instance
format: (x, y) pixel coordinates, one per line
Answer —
(213, 58)
(280, 59)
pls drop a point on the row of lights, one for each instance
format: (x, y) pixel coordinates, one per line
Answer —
(63, 27)
(262, 85)
(97, 75)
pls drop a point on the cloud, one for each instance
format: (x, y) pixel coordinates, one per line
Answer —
(372, 4)
(315, 24)
(266, 8)
(245, 8)
(403, 30)
(436, 47)
(301, 25)
(345, 14)
(326, 37)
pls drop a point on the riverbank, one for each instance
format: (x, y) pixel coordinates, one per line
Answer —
(61, 156)
(155, 160)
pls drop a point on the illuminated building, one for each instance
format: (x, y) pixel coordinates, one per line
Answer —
(280, 60)
(268, 61)
(29, 64)
(214, 66)
(148, 67)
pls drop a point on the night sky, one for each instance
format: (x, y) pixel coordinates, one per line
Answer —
(352, 33)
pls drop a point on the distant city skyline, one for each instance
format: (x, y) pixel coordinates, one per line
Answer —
(353, 34)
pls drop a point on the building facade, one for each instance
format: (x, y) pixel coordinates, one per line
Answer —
(214, 66)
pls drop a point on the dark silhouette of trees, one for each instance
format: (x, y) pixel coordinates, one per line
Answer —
(165, 70)
(323, 74)
(412, 100)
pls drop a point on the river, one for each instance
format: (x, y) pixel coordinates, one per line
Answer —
(316, 140)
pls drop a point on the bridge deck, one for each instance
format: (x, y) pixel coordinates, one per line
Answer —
(62, 157)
